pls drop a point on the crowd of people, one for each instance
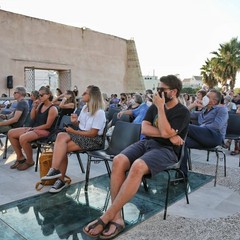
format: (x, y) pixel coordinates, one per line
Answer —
(167, 117)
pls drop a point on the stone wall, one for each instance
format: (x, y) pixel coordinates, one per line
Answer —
(91, 57)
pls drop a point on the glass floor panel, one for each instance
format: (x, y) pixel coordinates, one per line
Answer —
(63, 215)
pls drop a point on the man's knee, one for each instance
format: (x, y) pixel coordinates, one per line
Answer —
(120, 161)
(139, 167)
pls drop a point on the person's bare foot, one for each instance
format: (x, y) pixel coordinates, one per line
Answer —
(94, 228)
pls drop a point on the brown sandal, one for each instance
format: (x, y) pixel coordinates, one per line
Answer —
(24, 166)
(17, 163)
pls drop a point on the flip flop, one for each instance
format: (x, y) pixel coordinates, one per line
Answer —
(24, 166)
(92, 226)
(17, 163)
(119, 229)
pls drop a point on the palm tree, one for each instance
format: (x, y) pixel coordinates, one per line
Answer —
(226, 63)
(207, 74)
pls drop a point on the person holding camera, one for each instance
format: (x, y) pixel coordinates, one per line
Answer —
(85, 133)
(164, 126)
(67, 105)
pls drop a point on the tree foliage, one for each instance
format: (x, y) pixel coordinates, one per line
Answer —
(223, 66)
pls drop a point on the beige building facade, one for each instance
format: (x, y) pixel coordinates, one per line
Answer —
(80, 56)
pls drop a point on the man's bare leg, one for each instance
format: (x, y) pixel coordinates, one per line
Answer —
(126, 191)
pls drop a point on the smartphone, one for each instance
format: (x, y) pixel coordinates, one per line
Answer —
(65, 125)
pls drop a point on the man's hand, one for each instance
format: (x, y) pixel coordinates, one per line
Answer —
(176, 140)
(157, 100)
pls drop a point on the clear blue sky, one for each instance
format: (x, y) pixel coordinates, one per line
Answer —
(171, 36)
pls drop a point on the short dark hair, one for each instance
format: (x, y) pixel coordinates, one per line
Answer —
(172, 82)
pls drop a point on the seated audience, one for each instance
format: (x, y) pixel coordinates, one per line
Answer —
(34, 98)
(42, 118)
(197, 104)
(231, 106)
(18, 116)
(139, 112)
(4, 103)
(164, 126)
(85, 133)
(123, 101)
(59, 95)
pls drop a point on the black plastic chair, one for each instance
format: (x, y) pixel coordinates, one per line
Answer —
(172, 179)
(218, 150)
(110, 113)
(233, 129)
(124, 134)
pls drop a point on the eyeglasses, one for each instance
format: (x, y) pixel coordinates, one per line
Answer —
(41, 95)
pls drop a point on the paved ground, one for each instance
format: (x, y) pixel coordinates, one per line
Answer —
(213, 212)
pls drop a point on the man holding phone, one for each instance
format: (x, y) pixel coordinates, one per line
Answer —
(164, 126)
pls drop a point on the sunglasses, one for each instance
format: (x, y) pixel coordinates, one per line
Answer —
(162, 89)
(41, 95)
(15, 92)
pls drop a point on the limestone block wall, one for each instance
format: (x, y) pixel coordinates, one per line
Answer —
(90, 56)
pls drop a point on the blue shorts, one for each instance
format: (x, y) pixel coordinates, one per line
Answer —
(156, 156)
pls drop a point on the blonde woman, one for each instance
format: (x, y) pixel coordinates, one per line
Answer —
(85, 133)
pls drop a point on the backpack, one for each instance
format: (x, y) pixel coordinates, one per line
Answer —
(45, 163)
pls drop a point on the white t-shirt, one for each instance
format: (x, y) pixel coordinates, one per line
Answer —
(87, 122)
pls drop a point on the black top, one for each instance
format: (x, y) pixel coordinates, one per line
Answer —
(178, 117)
(41, 117)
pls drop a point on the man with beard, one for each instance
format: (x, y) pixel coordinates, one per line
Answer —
(164, 126)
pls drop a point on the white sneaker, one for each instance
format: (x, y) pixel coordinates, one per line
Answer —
(57, 187)
(52, 174)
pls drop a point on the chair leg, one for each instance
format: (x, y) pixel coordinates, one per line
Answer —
(87, 173)
(189, 159)
(1, 143)
(144, 181)
(5, 148)
(208, 153)
(166, 200)
(239, 160)
(185, 184)
(216, 171)
(37, 157)
(225, 164)
(108, 168)
(80, 162)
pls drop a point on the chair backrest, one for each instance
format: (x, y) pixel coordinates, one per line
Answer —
(182, 152)
(124, 134)
(124, 118)
(233, 126)
(111, 112)
(104, 135)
